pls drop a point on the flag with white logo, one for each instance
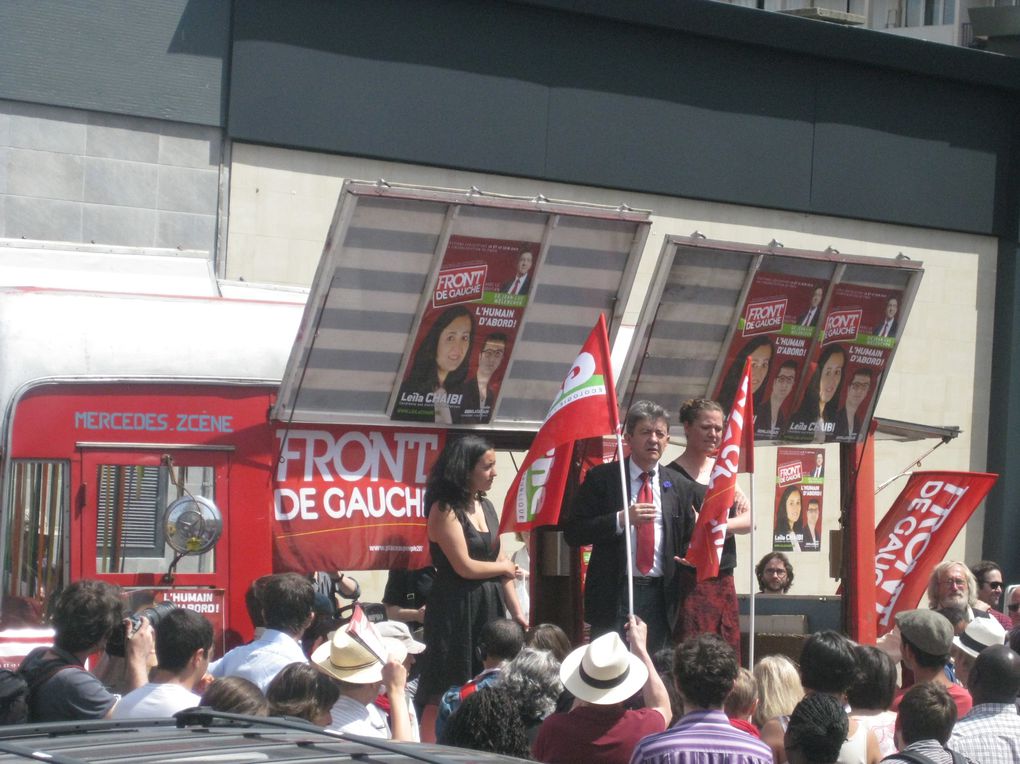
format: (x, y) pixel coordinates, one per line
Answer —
(585, 407)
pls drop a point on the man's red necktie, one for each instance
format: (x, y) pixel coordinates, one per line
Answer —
(645, 531)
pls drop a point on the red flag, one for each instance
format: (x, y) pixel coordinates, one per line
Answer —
(585, 407)
(709, 534)
(916, 533)
(362, 630)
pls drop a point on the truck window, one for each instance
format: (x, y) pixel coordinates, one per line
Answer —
(131, 502)
(35, 564)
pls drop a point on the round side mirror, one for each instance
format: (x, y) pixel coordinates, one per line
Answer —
(192, 525)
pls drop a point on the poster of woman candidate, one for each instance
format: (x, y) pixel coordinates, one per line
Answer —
(857, 338)
(779, 318)
(467, 331)
(800, 477)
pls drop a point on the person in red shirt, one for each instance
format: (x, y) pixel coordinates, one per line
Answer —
(742, 702)
(601, 676)
(926, 638)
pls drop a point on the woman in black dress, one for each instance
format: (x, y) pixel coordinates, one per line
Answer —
(474, 579)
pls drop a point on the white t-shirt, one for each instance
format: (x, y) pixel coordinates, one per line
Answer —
(348, 715)
(155, 701)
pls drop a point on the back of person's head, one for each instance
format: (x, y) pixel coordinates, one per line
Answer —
(663, 663)
(85, 613)
(235, 695)
(253, 601)
(740, 702)
(705, 668)
(549, 636)
(500, 639)
(302, 691)
(816, 731)
(287, 601)
(533, 678)
(827, 662)
(488, 720)
(779, 688)
(926, 712)
(995, 677)
(874, 684)
(178, 635)
(956, 615)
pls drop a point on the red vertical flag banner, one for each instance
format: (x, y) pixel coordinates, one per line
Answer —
(585, 407)
(709, 533)
(916, 533)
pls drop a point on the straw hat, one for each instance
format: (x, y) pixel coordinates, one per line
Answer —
(603, 672)
(979, 634)
(346, 659)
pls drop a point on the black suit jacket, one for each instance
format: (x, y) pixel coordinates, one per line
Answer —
(592, 520)
(525, 286)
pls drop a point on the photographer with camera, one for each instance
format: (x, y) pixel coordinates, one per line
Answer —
(184, 642)
(85, 615)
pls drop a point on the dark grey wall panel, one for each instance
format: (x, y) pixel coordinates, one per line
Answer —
(883, 138)
(522, 89)
(163, 59)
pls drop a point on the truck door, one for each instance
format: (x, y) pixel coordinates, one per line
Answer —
(118, 521)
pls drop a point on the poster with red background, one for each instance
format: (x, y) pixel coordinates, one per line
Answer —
(800, 478)
(775, 327)
(467, 331)
(858, 336)
(352, 499)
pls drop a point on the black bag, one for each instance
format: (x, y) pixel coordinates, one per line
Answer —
(13, 697)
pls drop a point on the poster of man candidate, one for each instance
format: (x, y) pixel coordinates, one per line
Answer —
(775, 328)
(858, 335)
(800, 477)
(467, 332)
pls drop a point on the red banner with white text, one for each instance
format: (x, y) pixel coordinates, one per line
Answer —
(351, 498)
(916, 533)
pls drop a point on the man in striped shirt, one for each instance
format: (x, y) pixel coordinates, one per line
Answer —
(704, 669)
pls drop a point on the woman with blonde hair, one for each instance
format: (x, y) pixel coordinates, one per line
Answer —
(779, 688)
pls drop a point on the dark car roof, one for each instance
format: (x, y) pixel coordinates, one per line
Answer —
(210, 736)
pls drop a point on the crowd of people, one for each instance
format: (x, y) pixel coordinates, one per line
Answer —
(661, 684)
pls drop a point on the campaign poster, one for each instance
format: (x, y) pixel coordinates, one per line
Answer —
(858, 336)
(800, 478)
(467, 332)
(351, 498)
(779, 318)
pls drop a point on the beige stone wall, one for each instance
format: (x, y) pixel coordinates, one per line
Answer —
(281, 203)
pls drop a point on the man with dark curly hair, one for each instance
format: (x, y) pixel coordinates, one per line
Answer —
(84, 616)
(775, 573)
(704, 669)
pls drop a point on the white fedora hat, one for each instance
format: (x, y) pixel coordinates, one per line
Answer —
(603, 672)
(398, 631)
(348, 660)
(979, 634)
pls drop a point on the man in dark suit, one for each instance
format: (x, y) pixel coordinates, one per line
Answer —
(664, 519)
(890, 323)
(521, 282)
(810, 317)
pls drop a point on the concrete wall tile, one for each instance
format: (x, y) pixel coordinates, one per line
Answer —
(5, 156)
(120, 226)
(5, 126)
(3, 215)
(122, 141)
(186, 231)
(113, 181)
(187, 146)
(184, 189)
(46, 130)
(50, 219)
(45, 174)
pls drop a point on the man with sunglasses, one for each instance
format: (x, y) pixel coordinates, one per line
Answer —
(1014, 606)
(989, 581)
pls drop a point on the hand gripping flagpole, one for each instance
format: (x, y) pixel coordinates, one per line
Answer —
(624, 494)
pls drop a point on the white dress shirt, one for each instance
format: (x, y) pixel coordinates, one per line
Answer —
(261, 660)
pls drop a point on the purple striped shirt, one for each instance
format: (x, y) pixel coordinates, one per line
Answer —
(702, 737)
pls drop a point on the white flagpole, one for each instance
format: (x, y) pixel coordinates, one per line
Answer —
(751, 627)
(626, 522)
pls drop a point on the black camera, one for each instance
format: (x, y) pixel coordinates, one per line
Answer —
(116, 641)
